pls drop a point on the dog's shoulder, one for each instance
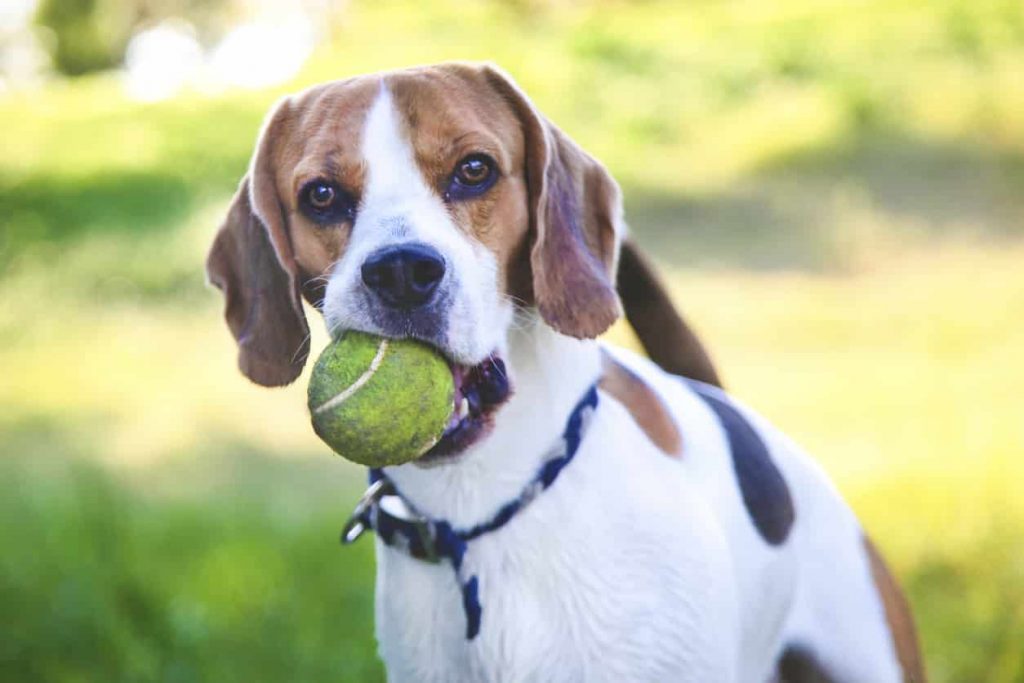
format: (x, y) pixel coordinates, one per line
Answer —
(697, 422)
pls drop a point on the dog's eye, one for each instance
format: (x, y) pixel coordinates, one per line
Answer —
(473, 171)
(473, 176)
(321, 196)
(325, 202)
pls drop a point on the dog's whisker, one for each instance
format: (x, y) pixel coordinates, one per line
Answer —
(298, 351)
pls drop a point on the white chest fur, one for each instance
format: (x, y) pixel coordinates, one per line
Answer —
(599, 579)
(632, 565)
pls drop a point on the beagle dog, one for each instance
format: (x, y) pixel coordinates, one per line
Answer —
(590, 514)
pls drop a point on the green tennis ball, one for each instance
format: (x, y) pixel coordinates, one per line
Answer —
(379, 401)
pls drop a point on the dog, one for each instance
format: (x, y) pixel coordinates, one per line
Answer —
(591, 514)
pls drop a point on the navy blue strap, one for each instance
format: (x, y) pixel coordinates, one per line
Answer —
(431, 540)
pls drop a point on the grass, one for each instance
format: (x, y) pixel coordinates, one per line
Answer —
(102, 583)
(833, 189)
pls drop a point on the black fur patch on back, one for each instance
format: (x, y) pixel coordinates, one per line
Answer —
(765, 493)
(799, 666)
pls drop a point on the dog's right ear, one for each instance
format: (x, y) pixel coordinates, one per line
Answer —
(575, 213)
(252, 263)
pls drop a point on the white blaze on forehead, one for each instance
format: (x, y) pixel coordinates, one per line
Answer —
(393, 180)
(398, 206)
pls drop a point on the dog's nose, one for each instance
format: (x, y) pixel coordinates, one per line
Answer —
(404, 276)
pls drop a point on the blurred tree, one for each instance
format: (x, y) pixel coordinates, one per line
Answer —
(211, 19)
(88, 35)
(91, 35)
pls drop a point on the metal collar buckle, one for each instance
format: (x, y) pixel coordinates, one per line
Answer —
(355, 526)
(381, 498)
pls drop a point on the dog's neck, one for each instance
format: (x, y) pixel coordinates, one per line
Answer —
(550, 373)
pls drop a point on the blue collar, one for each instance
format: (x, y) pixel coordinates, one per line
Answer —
(397, 523)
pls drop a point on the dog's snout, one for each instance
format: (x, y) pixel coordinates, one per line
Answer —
(404, 276)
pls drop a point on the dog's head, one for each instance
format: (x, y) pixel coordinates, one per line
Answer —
(431, 203)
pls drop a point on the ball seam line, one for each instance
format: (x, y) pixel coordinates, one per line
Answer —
(336, 401)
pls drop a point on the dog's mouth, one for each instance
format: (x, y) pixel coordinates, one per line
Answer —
(480, 391)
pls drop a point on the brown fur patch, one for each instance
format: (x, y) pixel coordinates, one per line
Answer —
(267, 253)
(898, 616)
(646, 407)
(574, 208)
(324, 142)
(451, 113)
(261, 306)
(552, 202)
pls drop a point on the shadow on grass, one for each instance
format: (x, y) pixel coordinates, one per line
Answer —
(946, 185)
(59, 209)
(831, 208)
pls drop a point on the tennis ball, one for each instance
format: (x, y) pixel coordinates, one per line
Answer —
(379, 401)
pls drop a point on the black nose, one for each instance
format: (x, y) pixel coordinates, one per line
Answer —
(405, 276)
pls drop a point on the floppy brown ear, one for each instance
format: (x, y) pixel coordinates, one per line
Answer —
(575, 218)
(251, 262)
(576, 225)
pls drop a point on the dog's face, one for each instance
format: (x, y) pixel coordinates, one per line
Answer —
(430, 219)
(432, 203)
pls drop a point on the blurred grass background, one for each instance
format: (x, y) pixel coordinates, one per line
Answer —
(834, 188)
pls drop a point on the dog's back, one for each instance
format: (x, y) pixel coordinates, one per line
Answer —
(823, 596)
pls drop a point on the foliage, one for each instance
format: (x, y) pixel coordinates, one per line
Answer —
(88, 35)
(91, 35)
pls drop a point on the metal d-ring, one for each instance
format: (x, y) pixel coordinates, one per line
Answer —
(355, 526)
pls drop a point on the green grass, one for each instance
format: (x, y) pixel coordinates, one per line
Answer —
(103, 583)
(833, 187)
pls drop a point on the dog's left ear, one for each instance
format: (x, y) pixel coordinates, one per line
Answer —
(251, 262)
(575, 212)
